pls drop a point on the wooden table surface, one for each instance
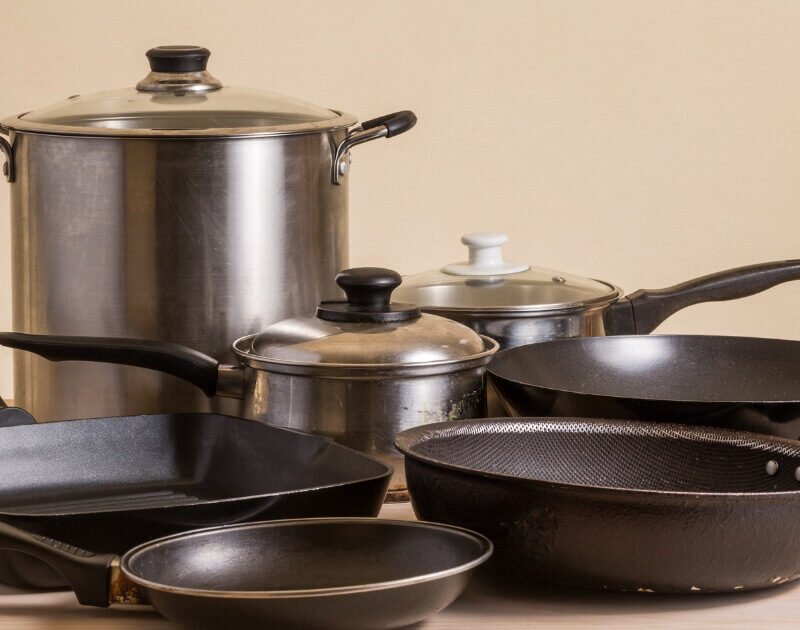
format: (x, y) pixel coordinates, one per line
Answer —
(483, 605)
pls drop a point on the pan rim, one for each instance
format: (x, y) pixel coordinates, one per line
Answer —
(403, 442)
(485, 547)
(492, 371)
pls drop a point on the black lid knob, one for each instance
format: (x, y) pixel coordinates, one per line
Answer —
(369, 294)
(178, 58)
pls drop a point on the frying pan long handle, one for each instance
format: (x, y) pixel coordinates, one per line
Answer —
(87, 573)
(170, 358)
(643, 311)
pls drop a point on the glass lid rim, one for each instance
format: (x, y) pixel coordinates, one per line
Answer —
(18, 123)
(612, 295)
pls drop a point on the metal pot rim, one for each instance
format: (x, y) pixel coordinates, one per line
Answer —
(362, 370)
(19, 124)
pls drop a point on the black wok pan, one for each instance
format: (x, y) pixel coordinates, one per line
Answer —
(740, 382)
(346, 574)
(615, 505)
(108, 484)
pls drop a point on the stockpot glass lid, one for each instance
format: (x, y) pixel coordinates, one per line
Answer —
(486, 283)
(179, 97)
(366, 330)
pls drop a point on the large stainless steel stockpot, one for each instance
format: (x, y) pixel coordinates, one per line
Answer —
(179, 210)
(517, 304)
(360, 370)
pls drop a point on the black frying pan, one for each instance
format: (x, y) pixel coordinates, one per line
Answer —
(108, 484)
(741, 382)
(615, 504)
(347, 574)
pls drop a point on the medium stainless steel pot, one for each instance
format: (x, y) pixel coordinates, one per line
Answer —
(360, 370)
(179, 210)
(517, 304)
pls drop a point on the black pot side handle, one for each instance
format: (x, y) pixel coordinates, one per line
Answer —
(8, 165)
(171, 358)
(643, 311)
(386, 126)
(87, 573)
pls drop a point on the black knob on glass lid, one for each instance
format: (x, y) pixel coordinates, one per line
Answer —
(178, 58)
(369, 294)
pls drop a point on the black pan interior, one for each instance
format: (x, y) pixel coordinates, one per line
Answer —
(612, 454)
(300, 555)
(157, 461)
(659, 367)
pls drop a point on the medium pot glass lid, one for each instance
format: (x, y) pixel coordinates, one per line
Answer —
(366, 329)
(179, 97)
(488, 283)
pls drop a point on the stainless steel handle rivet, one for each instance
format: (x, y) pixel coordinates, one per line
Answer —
(772, 468)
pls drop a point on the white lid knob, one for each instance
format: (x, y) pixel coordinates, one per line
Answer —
(485, 256)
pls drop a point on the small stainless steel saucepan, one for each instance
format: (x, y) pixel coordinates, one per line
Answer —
(347, 574)
(517, 304)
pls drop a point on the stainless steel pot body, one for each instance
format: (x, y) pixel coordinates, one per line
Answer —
(189, 240)
(511, 330)
(364, 408)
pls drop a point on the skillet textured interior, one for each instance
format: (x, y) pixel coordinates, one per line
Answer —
(614, 454)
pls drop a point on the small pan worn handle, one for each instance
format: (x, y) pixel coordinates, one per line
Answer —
(171, 358)
(87, 573)
(386, 126)
(643, 311)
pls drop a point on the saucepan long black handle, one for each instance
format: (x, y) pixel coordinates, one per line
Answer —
(87, 573)
(641, 312)
(170, 358)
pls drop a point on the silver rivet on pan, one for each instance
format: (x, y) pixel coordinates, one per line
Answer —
(797, 473)
(772, 467)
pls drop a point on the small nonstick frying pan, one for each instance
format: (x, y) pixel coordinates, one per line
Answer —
(108, 484)
(615, 504)
(337, 573)
(746, 383)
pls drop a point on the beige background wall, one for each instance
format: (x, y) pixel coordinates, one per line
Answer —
(643, 143)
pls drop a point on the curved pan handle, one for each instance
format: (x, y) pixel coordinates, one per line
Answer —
(643, 311)
(87, 573)
(386, 126)
(171, 358)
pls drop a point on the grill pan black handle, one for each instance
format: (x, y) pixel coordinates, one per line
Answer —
(643, 311)
(170, 358)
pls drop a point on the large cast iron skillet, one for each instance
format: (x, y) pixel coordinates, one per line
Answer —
(336, 574)
(615, 505)
(108, 484)
(741, 382)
